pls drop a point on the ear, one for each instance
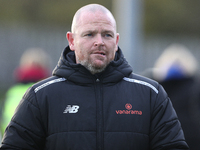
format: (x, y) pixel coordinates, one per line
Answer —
(70, 38)
(117, 41)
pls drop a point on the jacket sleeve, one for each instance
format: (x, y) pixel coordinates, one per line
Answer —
(165, 131)
(25, 131)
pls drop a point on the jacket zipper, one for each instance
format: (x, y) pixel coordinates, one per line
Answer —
(99, 121)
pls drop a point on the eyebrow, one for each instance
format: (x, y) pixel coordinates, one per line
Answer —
(96, 31)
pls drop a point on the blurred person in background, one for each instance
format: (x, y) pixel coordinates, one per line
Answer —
(34, 66)
(177, 71)
(93, 101)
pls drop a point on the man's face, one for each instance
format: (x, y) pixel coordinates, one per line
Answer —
(94, 41)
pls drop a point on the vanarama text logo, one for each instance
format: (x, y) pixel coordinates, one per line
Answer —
(129, 111)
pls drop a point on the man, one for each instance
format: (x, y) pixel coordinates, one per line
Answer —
(93, 101)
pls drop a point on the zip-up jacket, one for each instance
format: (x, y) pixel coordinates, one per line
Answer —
(112, 110)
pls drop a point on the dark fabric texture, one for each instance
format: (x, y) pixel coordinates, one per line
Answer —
(113, 110)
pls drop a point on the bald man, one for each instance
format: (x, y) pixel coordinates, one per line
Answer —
(93, 38)
(93, 101)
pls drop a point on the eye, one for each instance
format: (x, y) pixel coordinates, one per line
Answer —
(88, 34)
(108, 35)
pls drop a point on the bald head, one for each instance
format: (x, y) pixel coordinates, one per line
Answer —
(91, 8)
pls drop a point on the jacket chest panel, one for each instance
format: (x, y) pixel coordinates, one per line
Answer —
(76, 112)
(104, 107)
(125, 108)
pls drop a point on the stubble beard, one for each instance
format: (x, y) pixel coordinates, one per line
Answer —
(91, 67)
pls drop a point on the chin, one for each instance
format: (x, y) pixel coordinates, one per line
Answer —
(96, 68)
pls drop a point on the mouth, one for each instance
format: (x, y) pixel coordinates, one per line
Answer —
(100, 53)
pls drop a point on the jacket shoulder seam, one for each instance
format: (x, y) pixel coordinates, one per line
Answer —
(48, 83)
(142, 83)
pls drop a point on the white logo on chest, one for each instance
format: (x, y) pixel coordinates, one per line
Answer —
(71, 109)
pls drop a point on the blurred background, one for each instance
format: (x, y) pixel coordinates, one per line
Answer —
(146, 29)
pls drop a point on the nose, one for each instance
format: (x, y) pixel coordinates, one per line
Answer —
(99, 40)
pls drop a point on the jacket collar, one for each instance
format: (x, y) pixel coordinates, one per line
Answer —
(68, 69)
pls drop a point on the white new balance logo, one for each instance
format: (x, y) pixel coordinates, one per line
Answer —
(71, 109)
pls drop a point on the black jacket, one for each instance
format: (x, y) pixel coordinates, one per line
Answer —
(113, 110)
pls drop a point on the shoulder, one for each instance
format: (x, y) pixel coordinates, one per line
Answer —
(143, 78)
(147, 86)
(46, 83)
(41, 86)
(143, 81)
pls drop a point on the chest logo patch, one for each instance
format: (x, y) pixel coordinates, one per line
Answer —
(128, 111)
(71, 109)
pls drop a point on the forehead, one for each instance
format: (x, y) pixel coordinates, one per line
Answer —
(97, 18)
